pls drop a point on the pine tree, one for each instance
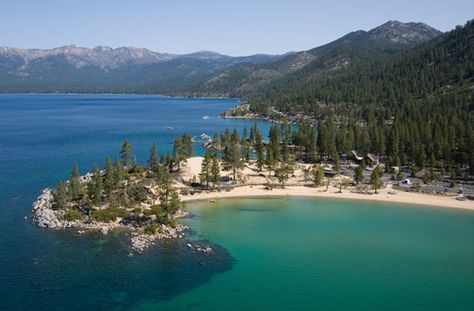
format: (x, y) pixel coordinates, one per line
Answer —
(175, 203)
(75, 182)
(282, 174)
(165, 189)
(336, 163)
(358, 174)
(60, 196)
(234, 157)
(153, 163)
(274, 143)
(245, 145)
(235, 137)
(96, 186)
(169, 199)
(110, 183)
(270, 160)
(215, 172)
(119, 172)
(188, 145)
(126, 153)
(375, 178)
(206, 165)
(285, 152)
(225, 138)
(312, 148)
(260, 149)
(216, 142)
(318, 175)
(179, 151)
(159, 174)
(244, 135)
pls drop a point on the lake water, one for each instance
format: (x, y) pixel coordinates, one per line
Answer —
(269, 254)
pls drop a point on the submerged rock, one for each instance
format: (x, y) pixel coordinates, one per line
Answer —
(141, 241)
(200, 248)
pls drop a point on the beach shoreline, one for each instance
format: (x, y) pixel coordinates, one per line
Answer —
(333, 193)
(193, 165)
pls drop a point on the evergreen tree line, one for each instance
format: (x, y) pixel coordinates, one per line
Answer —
(416, 108)
(122, 184)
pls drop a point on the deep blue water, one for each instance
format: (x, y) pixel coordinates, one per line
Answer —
(40, 137)
(269, 254)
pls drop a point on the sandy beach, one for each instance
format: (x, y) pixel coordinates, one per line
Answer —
(193, 167)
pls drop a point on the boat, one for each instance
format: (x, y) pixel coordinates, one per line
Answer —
(204, 136)
(169, 128)
(206, 118)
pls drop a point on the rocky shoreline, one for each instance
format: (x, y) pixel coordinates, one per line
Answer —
(46, 217)
(141, 241)
(243, 112)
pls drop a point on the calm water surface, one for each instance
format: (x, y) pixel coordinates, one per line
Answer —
(269, 254)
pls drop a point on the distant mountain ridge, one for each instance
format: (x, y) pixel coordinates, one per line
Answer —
(138, 70)
(103, 69)
(398, 32)
(112, 58)
(388, 39)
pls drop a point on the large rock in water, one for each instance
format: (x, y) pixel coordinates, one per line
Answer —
(43, 213)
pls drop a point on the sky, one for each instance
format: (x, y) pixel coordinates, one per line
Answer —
(239, 27)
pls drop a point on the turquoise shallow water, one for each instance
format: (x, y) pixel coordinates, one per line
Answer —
(269, 254)
(320, 254)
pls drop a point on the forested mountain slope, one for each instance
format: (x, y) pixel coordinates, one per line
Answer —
(360, 46)
(416, 107)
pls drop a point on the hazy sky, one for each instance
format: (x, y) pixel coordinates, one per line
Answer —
(238, 27)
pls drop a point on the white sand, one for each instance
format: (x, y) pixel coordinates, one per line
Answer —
(193, 167)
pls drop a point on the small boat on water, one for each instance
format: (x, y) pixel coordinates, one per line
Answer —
(169, 128)
(204, 136)
(206, 118)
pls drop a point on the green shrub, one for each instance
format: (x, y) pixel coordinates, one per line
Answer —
(108, 214)
(137, 194)
(154, 210)
(137, 210)
(148, 212)
(151, 229)
(150, 174)
(72, 214)
(159, 213)
(163, 219)
(136, 169)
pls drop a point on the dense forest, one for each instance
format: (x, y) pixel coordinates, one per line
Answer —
(416, 107)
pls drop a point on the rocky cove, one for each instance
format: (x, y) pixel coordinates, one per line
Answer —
(45, 216)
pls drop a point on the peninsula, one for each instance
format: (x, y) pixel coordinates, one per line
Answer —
(147, 199)
(123, 195)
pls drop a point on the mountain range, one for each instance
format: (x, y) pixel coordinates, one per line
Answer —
(138, 70)
(386, 40)
(103, 69)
